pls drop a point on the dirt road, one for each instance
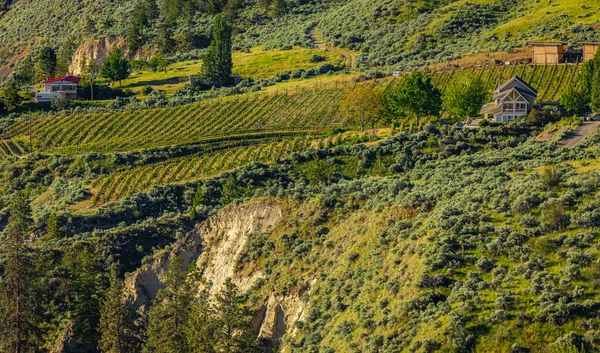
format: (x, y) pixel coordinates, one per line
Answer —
(349, 56)
(581, 133)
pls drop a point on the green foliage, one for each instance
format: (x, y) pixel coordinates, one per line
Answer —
(85, 295)
(11, 96)
(170, 313)
(574, 101)
(20, 319)
(414, 97)
(464, 97)
(117, 329)
(116, 67)
(45, 67)
(217, 61)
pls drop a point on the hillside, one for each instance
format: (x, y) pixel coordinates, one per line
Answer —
(473, 231)
(393, 34)
(322, 178)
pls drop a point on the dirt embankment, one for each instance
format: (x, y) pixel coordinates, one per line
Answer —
(215, 246)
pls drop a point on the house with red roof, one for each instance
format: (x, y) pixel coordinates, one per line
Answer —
(52, 87)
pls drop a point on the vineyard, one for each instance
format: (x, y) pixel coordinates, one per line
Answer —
(136, 129)
(549, 80)
(11, 148)
(179, 170)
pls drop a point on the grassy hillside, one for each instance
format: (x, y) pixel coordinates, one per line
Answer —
(444, 240)
(394, 34)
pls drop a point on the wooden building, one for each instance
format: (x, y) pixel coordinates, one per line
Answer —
(512, 100)
(589, 50)
(547, 52)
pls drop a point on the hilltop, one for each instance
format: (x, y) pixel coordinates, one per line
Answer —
(392, 34)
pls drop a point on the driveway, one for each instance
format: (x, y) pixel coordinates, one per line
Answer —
(581, 133)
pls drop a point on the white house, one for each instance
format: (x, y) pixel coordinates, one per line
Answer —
(66, 84)
(512, 100)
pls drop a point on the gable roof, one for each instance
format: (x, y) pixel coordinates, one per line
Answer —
(69, 78)
(512, 81)
(517, 91)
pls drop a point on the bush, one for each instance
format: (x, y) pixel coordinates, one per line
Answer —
(147, 90)
(316, 58)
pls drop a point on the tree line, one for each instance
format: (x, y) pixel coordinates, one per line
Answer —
(182, 318)
(414, 98)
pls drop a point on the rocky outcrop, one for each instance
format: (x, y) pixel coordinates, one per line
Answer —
(97, 50)
(215, 246)
(226, 235)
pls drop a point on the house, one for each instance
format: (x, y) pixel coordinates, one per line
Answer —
(547, 52)
(52, 87)
(589, 50)
(512, 100)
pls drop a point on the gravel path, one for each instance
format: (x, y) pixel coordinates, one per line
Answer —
(581, 133)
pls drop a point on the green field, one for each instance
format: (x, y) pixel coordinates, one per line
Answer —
(257, 65)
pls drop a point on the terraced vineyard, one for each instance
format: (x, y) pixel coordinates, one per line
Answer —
(178, 170)
(135, 129)
(549, 80)
(11, 148)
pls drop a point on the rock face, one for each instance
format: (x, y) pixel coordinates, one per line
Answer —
(215, 246)
(97, 50)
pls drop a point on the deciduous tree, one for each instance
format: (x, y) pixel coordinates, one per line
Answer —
(464, 97)
(363, 106)
(415, 96)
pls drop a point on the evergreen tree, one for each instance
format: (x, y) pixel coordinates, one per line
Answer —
(46, 64)
(202, 326)
(24, 73)
(168, 317)
(86, 289)
(217, 63)
(118, 333)
(116, 67)
(234, 334)
(64, 56)
(19, 319)
(11, 96)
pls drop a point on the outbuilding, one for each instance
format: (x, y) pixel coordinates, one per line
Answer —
(544, 53)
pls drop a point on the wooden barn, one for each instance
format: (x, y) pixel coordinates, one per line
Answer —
(547, 52)
(589, 50)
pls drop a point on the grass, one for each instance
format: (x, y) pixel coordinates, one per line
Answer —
(257, 64)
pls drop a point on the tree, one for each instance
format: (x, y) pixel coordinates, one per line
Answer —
(59, 102)
(24, 73)
(464, 97)
(118, 333)
(158, 63)
(217, 63)
(116, 67)
(19, 319)
(46, 64)
(363, 106)
(170, 312)
(414, 97)
(11, 96)
(86, 289)
(64, 56)
(234, 334)
(574, 101)
(595, 92)
(202, 327)
(554, 216)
